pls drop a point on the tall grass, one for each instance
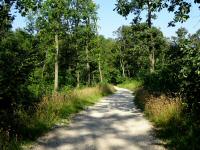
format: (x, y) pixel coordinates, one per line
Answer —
(169, 117)
(52, 110)
(160, 109)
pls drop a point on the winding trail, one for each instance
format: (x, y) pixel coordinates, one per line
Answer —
(112, 124)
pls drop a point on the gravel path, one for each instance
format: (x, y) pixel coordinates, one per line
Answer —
(112, 124)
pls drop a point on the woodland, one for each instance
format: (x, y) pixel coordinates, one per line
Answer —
(58, 64)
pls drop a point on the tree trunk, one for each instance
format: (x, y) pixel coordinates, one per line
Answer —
(78, 79)
(87, 64)
(152, 61)
(151, 48)
(93, 79)
(44, 66)
(123, 68)
(100, 71)
(122, 59)
(128, 72)
(149, 13)
(56, 64)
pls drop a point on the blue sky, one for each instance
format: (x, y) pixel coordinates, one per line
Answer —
(109, 20)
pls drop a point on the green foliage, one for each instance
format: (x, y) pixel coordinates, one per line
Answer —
(28, 61)
(131, 84)
(176, 75)
(180, 8)
(125, 7)
(135, 47)
(180, 71)
(5, 18)
(18, 59)
(54, 109)
(7, 142)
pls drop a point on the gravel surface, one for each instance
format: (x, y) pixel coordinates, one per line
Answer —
(112, 124)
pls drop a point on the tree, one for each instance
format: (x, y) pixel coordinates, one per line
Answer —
(181, 9)
(5, 18)
(124, 7)
(134, 44)
(90, 30)
(124, 40)
(18, 58)
(53, 20)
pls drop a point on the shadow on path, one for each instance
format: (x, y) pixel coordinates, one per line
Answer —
(112, 124)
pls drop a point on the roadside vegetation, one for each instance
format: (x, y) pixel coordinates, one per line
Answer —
(169, 69)
(131, 84)
(168, 113)
(51, 69)
(172, 123)
(52, 110)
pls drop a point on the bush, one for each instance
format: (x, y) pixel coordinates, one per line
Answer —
(7, 142)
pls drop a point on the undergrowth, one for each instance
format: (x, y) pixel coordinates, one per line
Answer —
(131, 84)
(53, 109)
(173, 125)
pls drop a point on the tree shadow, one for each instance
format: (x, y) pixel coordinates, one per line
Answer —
(112, 124)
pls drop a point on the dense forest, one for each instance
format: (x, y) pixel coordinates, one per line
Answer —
(60, 50)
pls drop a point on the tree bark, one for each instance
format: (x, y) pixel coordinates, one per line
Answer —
(87, 64)
(151, 48)
(123, 68)
(93, 79)
(152, 61)
(122, 59)
(56, 64)
(78, 79)
(128, 72)
(149, 13)
(44, 66)
(100, 71)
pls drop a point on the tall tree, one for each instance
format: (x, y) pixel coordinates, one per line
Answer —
(124, 7)
(5, 17)
(181, 9)
(124, 34)
(89, 17)
(53, 20)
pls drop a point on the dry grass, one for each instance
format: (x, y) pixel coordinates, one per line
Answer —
(56, 107)
(160, 109)
(172, 124)
(51, 110)
(163, 109)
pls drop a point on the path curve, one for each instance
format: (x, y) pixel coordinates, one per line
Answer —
(112, 124)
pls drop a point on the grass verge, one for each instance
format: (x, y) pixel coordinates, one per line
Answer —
(51, 110)
(131, 84)
(172, 124)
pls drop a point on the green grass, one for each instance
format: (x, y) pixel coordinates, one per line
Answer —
(53, 109)
(131, 84)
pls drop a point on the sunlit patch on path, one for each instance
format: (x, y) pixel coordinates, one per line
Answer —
(112, 124)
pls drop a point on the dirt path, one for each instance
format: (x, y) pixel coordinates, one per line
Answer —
(112, 124)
